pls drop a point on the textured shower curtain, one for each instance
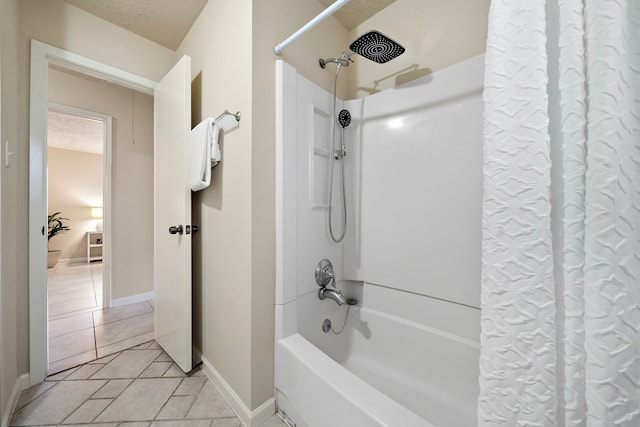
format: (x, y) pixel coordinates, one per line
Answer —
(560, 341)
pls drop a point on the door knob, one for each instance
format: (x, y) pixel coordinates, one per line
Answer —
(175, 230)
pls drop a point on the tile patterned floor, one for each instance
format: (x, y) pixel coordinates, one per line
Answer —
(79, 329)
(139, 387)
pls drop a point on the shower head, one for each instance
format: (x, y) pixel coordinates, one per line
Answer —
(376, 47)
(344, 118)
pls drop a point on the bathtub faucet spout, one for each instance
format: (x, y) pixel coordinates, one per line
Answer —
(324, 293)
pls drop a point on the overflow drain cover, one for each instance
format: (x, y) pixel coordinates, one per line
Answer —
(326, 325)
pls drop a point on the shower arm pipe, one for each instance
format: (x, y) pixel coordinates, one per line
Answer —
(309, 25)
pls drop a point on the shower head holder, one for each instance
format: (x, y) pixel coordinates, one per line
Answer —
(344, 118)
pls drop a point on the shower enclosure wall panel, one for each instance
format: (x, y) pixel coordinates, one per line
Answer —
(422, 185)
(303, 199)
(414, 180)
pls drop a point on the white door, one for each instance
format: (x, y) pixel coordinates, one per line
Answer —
(172, 213)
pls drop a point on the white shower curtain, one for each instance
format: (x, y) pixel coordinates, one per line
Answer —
(560, 341)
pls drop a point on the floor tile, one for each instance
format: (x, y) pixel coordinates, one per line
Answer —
(176, 408)
(71, 362)
(190, 386)
(164, 357)
(31, 393)
(120, 330)
(73, 313)
(174, 371)
(71, 344)
(142, 400)
(97, 425)
(182, 423)
(62, 291)
(88, 411)
(209, 404)
(71, 306)
(128, 364)
(75, 292)
(273, 421)
(113, 314)
(124, 344)
(61, 375)
(143, 346)
(71, 295)
(227, 422)
(105, 359)
(156, 370)
(84, 372)
(70, 324)
(56, 404)
(112, 389)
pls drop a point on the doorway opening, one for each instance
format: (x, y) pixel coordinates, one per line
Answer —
(45, 62)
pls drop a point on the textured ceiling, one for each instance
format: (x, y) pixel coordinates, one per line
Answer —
(75, 133)
(357, 11)
(165, 22)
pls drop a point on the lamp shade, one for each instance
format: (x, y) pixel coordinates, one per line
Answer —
(96, 213)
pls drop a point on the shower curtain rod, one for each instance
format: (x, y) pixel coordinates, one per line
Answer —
(309, 25)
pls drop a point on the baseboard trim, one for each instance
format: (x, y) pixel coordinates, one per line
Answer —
(249, 418)
(21, 383)
(131, 299)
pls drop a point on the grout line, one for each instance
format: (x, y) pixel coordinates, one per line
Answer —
(155, 417)
(95, 338)
(74, 410)
(197, 394)
(124, 318)
(129, 348)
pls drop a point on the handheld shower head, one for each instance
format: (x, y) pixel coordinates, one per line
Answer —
(344, 118)
(376, 47)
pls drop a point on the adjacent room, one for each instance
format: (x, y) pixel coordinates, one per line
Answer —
(81, 327)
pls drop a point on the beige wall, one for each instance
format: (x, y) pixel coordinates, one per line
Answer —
(62, 25)
(65, 26)
(132, 173)
(74, 186)
(435, 34)
(222, 248)
(10, 353)
(234, 254)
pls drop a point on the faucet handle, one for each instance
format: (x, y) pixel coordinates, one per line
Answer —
(324, 273)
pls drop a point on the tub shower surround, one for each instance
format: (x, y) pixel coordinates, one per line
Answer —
(408, 355)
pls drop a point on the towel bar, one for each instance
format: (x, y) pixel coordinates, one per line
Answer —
(229, 113)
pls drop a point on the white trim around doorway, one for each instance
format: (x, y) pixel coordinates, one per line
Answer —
(41, 56)
(106, 189)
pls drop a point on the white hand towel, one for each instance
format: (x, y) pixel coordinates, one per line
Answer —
(205, 153)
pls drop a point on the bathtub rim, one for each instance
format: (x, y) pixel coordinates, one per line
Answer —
(348, 386)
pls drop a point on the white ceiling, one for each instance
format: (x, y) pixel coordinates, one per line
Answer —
(75, 133)
(167, 22)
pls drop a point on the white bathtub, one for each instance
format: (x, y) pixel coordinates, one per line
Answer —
(381, 371)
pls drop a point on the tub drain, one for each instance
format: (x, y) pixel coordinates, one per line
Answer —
(326, 325)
